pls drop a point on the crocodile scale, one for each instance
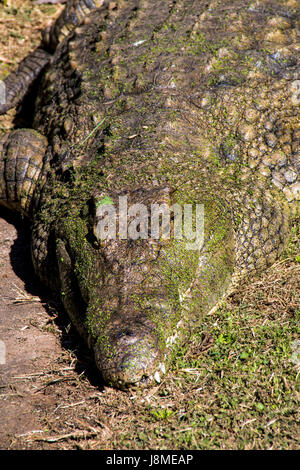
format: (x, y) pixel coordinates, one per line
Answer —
(185, 102)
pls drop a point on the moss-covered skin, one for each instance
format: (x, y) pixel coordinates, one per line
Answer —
(185, 102)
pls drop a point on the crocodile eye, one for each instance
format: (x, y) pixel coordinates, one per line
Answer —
(125, 333)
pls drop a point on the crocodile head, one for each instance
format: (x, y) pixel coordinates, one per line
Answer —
(136, 282)
(136, 296)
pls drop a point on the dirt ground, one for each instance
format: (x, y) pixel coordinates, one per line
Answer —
(28, 347)
(50, 394)
(38, 348)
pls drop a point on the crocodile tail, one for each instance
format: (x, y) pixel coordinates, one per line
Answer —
(73, 15)
(23, 164)
(16, 85)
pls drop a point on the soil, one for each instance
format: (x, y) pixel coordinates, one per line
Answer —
(28, 347)
(44, 358)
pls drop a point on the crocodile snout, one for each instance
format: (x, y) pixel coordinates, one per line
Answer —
(127, 357)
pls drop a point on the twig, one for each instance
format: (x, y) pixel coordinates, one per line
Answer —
(271, 422)
(40, 374)
(184, 430)
(71, 435)
(69, 406)
(92, 132)
(24, 297)
(54, 381)
(7, 61)
(29, 433)
(248, 422)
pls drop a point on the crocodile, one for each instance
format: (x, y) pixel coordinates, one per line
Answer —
(136, 105)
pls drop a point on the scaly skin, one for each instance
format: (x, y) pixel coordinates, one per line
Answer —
(187, 102)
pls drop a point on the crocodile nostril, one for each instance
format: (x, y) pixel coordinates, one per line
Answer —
(124, 333)
(126, 337)
(128, 333)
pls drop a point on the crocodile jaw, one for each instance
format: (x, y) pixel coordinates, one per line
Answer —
(132, 360)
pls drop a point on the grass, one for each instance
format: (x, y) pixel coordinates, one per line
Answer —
(235, 386)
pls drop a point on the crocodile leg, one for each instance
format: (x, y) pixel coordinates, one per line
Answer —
(17, 84)
(23, 163)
